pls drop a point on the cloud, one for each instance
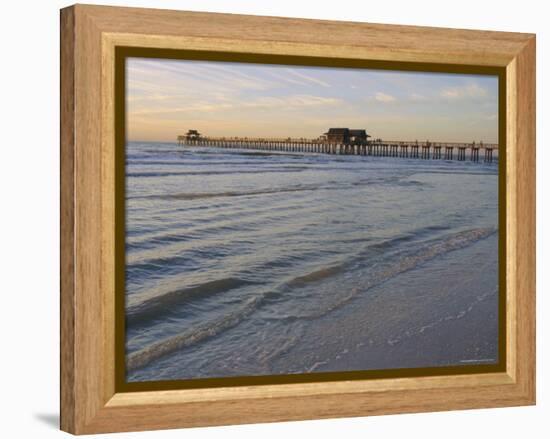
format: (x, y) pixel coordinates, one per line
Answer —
(466, 91)
(383, 97)
(301, 100)
(149, 98)
(307, 78)
(148, 75)
(262, 102)
(417, 97)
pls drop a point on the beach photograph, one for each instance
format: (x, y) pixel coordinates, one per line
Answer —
(287, 219)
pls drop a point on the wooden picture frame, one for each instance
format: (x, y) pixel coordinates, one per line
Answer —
(90, 400)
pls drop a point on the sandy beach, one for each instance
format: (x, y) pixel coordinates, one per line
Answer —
(412, 321)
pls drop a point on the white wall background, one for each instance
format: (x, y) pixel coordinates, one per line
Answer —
(29, 235)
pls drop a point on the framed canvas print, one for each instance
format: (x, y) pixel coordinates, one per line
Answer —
(271, 219)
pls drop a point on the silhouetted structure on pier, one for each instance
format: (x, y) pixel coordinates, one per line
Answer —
(192, 135)
(347, 136)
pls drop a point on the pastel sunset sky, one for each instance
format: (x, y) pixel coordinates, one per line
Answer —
(168, 97)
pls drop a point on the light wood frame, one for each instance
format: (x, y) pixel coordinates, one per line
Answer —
(89, 36)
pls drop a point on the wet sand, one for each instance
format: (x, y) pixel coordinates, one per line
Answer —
(409, 323)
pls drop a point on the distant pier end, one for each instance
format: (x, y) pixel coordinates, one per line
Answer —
(345, 141)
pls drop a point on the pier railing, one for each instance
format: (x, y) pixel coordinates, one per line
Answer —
(378, 147)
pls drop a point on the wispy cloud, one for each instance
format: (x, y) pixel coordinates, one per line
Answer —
(307, 78)
(263, 102)
(462, 92)
(383, 97)
(417, 97)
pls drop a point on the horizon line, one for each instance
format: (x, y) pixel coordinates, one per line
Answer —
(310, 138)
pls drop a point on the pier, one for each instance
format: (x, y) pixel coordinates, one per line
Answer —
(427, 150)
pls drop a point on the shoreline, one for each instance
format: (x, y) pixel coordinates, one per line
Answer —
(402, 324)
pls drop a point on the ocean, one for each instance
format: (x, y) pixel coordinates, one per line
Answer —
(243, 263)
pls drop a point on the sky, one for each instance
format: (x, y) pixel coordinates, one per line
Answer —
(165, 98)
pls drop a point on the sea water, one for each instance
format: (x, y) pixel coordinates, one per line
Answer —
(242, 262)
